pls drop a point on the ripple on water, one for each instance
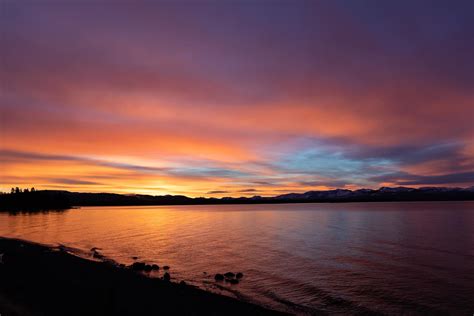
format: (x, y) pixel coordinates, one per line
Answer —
(303, 258)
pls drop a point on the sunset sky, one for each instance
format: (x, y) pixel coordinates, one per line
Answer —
(234, 98)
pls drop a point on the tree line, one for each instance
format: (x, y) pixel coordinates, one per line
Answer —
(19, 190)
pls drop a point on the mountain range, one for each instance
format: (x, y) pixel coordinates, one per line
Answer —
(52, 199)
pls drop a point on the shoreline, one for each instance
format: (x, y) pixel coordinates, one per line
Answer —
(39, 279)
(78, 207)
(43, 200)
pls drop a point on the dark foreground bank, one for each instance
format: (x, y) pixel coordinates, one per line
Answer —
(38, 280)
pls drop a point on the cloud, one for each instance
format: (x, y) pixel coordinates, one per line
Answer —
(266, 183)
(186, 97)
(6, 154)
(31, 156)
(217, 192)
(73, 181)
(248, 190)
(402, 178)
(410, 153)
(81, 172)
(329, 183)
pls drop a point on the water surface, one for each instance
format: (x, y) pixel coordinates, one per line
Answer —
(302, 258)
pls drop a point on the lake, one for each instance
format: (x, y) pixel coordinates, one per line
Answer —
(342, 258)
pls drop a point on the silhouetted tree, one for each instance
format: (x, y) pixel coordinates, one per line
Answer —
(13, 190)
(32, 189)
(26, 190)
(17, 190)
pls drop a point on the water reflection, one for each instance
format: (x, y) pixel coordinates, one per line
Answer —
(337, 258)
(32, 212)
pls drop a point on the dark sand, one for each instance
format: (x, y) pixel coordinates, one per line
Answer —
(39, 280)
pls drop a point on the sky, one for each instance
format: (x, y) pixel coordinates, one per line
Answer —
(236, 98)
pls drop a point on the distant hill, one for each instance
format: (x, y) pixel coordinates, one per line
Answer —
(49, 199)
(382, 194)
